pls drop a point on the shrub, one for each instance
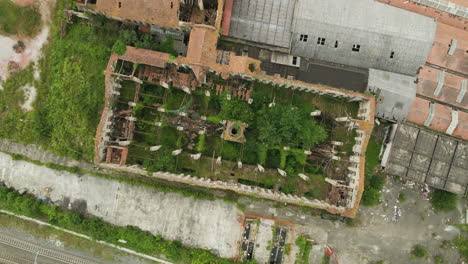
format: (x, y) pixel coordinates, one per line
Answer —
(401, 197)
(201, 143)
(439, 260)
(262, 154)
(252, 67)
(119, 47)
(443, 201)
(305, 247)
(373, 185)
(95, 227)
(19, 20)
(419, 252)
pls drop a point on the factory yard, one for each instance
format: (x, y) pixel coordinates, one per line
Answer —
(380, 233)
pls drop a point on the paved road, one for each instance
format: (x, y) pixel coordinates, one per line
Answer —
(15, 251)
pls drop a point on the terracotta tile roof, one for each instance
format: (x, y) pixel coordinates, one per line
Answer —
(428, 81)
(443, 39)
(438, 15)
(144, 56)
(159, 12)
(419, 113)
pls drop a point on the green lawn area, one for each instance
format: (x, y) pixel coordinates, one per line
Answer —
(374, 181)
(18, 20)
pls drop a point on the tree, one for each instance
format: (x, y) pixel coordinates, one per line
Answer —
(167, 46)
(119, 47)
(443, 200)
(288, 125)
(146, 42)
(128, 36)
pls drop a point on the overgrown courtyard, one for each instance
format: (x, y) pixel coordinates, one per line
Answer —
(235, 130)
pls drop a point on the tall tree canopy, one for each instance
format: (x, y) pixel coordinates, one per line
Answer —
(288, 125)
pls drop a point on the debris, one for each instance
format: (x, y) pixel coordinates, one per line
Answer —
(195, 156)
(155, 148)
(282, 172)
(304, 177)
(218, 160)
(260, 168)
(176, 152)
(316, 113)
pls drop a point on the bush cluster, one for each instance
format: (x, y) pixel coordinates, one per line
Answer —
(95, 227)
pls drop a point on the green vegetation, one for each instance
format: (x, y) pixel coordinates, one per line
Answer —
(461, 241)
(70, 91)
(286, 124)
(374, 181)
(401, 197)
(18, 20)
(95, 227)
(269, 130)
(443, 201)
(305, 246)
(439, 260)
(419, 252)
(325, 259)
(287, 249)
(141, 40)
(119, 47)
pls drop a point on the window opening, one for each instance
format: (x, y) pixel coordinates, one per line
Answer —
(321, 41)
(120, 4)
(303, 37)
(392, 54)
(336, 44)
(356, 47)
(294, 60)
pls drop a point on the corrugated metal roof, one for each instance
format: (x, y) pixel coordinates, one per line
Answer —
(389, 38)
(263, 21)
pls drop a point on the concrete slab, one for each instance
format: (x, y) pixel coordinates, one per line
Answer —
(401, 157)
(263, 241)
(435, 181)
(458, 175)
(420, 163)
(426, 143)
(416, 175)
(445, 149)
(455, 188)
(461, 156)
(396, 169)
(406, 137)
(439, 169)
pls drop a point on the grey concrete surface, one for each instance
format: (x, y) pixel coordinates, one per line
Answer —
(377, 236)
(206, 224)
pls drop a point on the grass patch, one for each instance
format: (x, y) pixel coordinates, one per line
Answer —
(18, 20)
(305, 246)
(419, 252)
(443, 201)
(461, 241)
(374, 182)
(401, 197)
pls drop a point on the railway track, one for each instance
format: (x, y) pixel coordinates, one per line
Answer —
(54, 255)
